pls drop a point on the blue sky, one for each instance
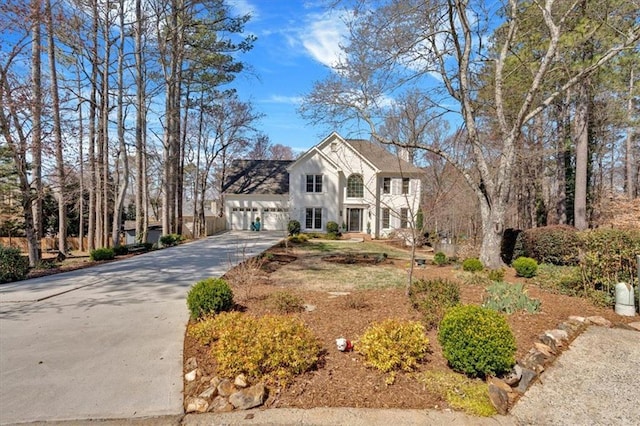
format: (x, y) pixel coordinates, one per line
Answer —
(297, 42)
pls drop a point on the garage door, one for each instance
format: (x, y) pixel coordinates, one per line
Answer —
(241, 217)
(274, 219)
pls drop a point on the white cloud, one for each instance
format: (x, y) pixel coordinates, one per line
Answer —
(322, 36)
(244, 7)
(278, 99)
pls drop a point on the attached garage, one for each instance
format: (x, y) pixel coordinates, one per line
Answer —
(257, 189)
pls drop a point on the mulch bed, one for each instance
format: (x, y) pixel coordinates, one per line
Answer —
(341, 379)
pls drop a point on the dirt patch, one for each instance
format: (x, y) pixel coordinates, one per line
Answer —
(342, 308)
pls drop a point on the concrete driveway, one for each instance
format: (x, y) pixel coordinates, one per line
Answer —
(106, 342)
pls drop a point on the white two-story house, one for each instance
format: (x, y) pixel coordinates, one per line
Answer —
(355, 183)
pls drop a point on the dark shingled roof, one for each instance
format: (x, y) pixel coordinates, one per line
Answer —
(385, 161)
(257, 177)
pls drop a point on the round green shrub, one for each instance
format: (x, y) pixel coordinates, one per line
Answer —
(293, 227)
(440, 258)
(104, 253)
(212, 295)
(472, 264)
(525, 267)
(477, 341)
(333, 228)
(13, 266)
(433, 297)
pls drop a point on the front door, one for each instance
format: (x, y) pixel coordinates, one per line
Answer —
(354, 217)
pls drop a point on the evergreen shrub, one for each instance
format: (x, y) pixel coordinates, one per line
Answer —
(13, 266)
(104, 253)
(472, 264)
(209, 296)
(525, 267)
(477, 341)
(293, 227)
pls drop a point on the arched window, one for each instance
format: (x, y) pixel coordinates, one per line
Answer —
(355, 186)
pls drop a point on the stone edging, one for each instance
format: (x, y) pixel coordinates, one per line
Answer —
(506, 390)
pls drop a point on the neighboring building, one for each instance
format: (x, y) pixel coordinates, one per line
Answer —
(359, 185)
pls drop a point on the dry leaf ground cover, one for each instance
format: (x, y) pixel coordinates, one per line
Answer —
(348, 286)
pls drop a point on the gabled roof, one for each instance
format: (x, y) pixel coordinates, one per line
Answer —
(257, 177)
(382, 159)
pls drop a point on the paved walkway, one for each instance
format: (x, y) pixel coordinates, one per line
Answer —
(106, 342)
(595, 382)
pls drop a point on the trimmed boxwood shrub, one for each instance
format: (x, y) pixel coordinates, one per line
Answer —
(433, 297)
(477, 341)
(333, 228)
(556, 244)
(440, 259)
(293, 227)
(525, 267)
(209, 296)
(13, 266)
(472, 265)
(104, 253)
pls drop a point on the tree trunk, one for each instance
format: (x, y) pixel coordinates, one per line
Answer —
(81, 246)
(93, 132)
(121, 182)
(57, 134)
(141, 209)
(36, 129)
(629, 151)
(581, 134)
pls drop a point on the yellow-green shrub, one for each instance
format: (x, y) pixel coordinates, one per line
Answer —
(393, 345)
(477, 341)
(460, 392)
(273, 348)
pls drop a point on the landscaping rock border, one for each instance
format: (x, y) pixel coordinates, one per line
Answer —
(504, 391)
(222, 395)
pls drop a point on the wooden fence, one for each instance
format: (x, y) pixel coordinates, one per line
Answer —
(213, 225)
(47, 243)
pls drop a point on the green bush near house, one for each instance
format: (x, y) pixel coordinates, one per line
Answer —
(472, 264)
(13, 266)
(333, 228)
(525, 267)
(293, 227)
(209, 296)
(477, 341)
(104, 253)
(433, 297)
